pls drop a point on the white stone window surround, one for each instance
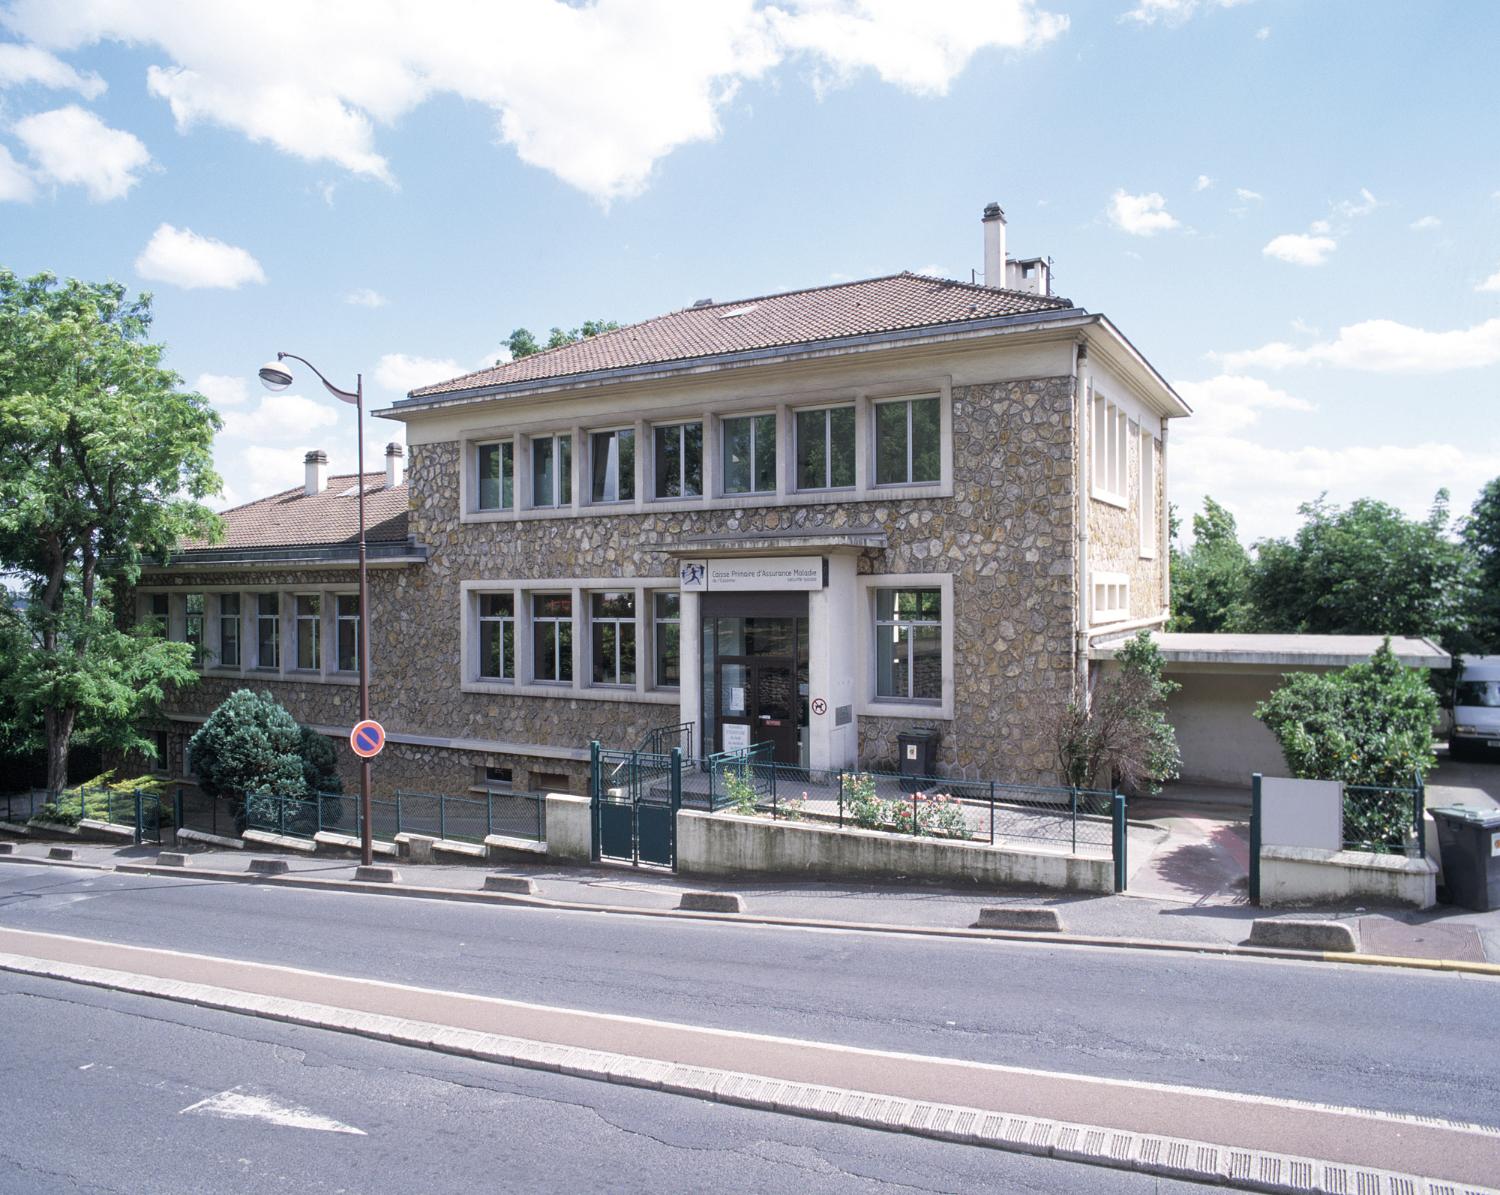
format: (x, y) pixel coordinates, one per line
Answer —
(1109, 472)
(580, 688)
(673, 429)
(1146, 498)
(945, 442)
(635, 477)
(249, 595)
(1110, 597)
(869, 703)
(711, 415)
(473, 464)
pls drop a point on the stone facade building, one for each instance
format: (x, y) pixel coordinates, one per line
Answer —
(814, 518)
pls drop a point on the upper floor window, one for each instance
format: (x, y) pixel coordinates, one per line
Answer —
(678, 460)
(1111, 450)
(309, 615)
(1146, 507)
(908, 441)
(267, 630)
(161, 612)
(1111, 597)
(825, 448)
(668, 639)
(552, 470)
(497, 471)
(497, 636)
(909, 644)
(749, 454)
(612, 617)
(346, 612)
(229, 630)
(192, 626)
(612, 455)
(552, 637)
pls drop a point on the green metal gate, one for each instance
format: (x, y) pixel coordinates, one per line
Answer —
(634, 798)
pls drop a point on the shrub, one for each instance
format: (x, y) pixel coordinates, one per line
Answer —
(1121, 733)
(55, 814)
(740, 789)
(249, 744)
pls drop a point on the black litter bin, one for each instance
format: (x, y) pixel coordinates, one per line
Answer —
(918, 747)
(1470, 844)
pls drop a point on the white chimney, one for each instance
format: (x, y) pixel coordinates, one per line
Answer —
(393, 455)
(994, 245)
(316, 464)
(1031, 274)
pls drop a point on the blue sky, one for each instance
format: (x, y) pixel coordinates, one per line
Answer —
(1292, 207)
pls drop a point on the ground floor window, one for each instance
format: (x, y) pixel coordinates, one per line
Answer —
(229, 630)
(309, 615)
(552, 637)
(909, 644)
(667, 636)
(497, 636)
(612, 619)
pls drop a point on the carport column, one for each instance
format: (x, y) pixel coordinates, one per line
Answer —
(690, 682)
(1255, 839)
(834, 616)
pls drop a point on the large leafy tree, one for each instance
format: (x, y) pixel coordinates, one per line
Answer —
(522, 343)
(1211, 580)
(106, 463)
(1481, 536)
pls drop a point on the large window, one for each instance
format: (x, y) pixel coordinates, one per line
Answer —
(678, 460)
(267, 630)
(497, 470)
(1146, 511)
(612, 618)
(1111, 451)
(552, 637)
(497, 636)
(229, 630)
(161, 613)
(551, 470)
(749, 454)
(667, 636)
(192, 627)
(825, 448)
(908, 442)
(612, 459)
(309, 614)
(909, 644)
(346, 611)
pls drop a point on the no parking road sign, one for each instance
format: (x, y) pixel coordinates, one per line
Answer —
(367, 738)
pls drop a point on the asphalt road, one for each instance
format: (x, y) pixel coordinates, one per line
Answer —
(114, 1093)
(1400, 1041)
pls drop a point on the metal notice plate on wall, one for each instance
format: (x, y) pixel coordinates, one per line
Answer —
(843, 715)
(751, 574)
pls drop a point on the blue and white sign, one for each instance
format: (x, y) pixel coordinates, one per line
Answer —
(747, 574)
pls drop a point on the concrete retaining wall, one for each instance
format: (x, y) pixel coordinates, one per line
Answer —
(723, 844)
(1294, 875)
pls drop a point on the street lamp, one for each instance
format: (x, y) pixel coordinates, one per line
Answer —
(275, 376)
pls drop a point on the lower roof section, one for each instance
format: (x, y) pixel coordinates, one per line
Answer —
(1273, 651)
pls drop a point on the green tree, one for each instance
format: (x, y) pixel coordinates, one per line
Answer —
(1211, 580)
(1121, 734)
(1367, 724)
(106, 461)
(249, 744)
(1365, 569)
(1481, 536)
(522, 343)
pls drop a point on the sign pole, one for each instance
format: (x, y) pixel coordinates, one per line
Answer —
(366, 837)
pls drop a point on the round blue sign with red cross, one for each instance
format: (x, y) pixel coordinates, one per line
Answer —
(367, 738)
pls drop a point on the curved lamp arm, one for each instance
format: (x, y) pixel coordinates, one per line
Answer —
(346, 395)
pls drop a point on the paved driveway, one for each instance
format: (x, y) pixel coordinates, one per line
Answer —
(1471, 782)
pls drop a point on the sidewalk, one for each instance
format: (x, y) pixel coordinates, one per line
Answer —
(1440, 933)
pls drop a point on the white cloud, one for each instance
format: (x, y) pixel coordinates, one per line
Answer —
(1247, 195)
(32, 64)
(1173, 12)
(1492, 283)
(596, 94)
(1301, 249)
(1363, 206)
(223, 390)
(260, 448)
(1426, 224)
(16, 184)
(1203, 183)
(1263, 33)
(74, 147)
(400, 372)
(1382, 346)
(181, 257)
(1320, 227)
(932, 271)
(1232, 402)
(363, 296)
(1140, 215)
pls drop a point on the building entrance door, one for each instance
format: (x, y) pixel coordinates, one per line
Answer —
(758, 704)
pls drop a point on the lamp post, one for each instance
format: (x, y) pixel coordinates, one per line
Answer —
(276, 376)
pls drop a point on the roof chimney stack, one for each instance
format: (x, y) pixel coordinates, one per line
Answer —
(393, 455)
(316, 465)
(994, 245)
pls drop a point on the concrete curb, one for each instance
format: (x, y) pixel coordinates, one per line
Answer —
(1110, 1148)
(291, 879)
(1025, 917)
(1302, 934)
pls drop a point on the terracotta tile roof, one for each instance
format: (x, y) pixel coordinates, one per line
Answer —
(329, 518)
(872, 305)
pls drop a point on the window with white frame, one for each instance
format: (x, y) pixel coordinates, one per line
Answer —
(612, 637)
(268, 630)
(346, 636)
(1146, 500)
(908, 441)
(749, 454)
(1111, 451)
(667, 637)
(497, 636)
(229, 630)
(612, 465)
(1111, 597)
(677, 460)
(552, 637)
(825, 448)
(309, 620)
(552, 470)
(495, 467)
(909, 644)
(192, 624)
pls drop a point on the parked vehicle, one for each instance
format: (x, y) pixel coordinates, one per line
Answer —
(1476, 707)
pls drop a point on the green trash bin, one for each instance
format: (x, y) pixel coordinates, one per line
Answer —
(1469, 840)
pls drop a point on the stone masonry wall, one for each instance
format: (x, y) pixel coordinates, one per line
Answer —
(1115, 542)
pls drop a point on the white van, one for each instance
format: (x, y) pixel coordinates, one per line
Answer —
(1476, 707)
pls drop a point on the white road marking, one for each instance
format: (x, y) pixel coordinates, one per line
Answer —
(237, 1104)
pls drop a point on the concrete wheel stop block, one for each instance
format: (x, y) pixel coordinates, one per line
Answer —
(1023, 917)
(519, 885)
(171, 859)
(711, 902)
(269, 867)
(60, 852)
(1294, 934)
(377, 875)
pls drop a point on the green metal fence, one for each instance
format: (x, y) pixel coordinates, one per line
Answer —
(438, 815)
(142, 812)
(1386, 819)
